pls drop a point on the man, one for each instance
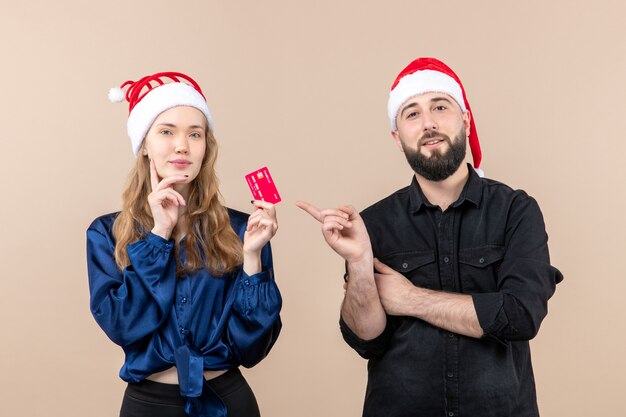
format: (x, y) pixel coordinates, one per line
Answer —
(447, 279)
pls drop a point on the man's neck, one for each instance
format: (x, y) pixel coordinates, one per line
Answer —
(443, 193)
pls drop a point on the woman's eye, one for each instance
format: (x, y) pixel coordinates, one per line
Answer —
(166, 132)
(196, 135)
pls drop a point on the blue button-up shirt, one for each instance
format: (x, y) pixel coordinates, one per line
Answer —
(195, 322)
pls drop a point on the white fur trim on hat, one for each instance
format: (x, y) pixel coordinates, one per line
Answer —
(420, 82)
(156, 102)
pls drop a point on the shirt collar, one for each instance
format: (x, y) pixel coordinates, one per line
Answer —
(472, 192)
(473, 189)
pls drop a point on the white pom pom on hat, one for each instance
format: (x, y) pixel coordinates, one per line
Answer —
(116, 95)
(151, 95)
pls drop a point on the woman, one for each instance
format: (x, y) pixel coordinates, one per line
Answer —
(182, 284)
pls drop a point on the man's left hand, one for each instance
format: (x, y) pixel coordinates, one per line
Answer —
(396, 292)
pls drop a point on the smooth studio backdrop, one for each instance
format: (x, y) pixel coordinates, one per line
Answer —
(301, 86)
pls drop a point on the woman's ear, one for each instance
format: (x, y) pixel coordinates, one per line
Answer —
(145, 151)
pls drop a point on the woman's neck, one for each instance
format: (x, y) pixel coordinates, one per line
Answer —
(180, 231)
(181, 228)
(182, 189)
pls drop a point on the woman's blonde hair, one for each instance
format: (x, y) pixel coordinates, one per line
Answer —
(210, 240)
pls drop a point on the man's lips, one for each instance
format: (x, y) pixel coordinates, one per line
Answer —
(431, 141)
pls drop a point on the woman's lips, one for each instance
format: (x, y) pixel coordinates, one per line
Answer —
(180, 163)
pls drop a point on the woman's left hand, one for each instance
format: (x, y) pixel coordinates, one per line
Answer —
(262, 226)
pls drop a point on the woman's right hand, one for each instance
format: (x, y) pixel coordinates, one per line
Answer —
(164, 202)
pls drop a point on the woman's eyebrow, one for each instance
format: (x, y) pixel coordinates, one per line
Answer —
(173, 125)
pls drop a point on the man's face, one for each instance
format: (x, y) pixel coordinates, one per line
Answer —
(432, 132)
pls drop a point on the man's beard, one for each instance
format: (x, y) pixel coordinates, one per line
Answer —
(438, 166)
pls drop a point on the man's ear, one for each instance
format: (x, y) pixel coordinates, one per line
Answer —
(467, 120)
(396, 138)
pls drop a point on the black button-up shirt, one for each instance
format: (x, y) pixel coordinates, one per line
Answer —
(491, 243)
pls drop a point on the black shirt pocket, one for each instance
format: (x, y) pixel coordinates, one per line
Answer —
(417, 266)
(479, 268)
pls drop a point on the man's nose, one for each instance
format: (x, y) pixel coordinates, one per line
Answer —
(429, 121)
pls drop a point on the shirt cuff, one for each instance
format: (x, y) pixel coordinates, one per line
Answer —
(491, 316)
(159, 242)
(365, 348)
(257, 278)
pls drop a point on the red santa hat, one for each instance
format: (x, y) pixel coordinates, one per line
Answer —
(152, 95)
(426, 75)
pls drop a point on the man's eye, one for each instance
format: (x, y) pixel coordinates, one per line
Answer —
(440, 108)
(411, 115)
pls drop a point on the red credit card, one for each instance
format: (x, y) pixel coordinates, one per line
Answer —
(262, 186)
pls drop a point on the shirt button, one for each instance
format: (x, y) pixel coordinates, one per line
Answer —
(446, 259)
(247, 282)
(405, 265)
(481, 260)
(451, 335)
(450, 374)
(183, 330)
(451, 414)
(183, 300)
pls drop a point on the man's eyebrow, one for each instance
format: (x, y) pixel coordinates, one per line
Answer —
(432, 100)
(442, 98)
(408, 106)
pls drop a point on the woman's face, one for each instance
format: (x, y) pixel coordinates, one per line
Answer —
(176, 142)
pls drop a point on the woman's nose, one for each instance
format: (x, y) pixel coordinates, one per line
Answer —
(182, 145)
